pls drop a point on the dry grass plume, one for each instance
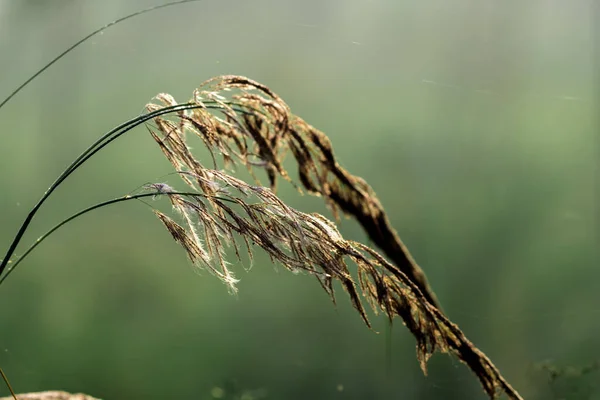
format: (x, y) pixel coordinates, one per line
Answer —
(248, 124)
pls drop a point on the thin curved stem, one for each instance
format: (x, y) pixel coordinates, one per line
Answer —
(10, 389)
(98, 145)
(94, 148)
(97, 31)
(92, 208)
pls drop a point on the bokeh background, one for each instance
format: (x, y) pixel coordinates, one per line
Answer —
(475, 122)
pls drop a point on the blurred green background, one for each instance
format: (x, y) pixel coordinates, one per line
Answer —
(474, 121)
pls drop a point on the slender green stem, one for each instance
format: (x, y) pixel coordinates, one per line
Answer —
(94, 207)
(102, 142)
(94, 148)
(97, 31)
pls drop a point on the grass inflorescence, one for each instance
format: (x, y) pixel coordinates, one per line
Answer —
(245, 124)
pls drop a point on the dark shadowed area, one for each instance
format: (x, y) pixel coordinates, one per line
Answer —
(474, 122)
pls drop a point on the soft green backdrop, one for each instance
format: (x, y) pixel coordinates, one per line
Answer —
(475, 122)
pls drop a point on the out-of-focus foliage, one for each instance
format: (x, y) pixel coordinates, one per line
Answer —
(484, 154)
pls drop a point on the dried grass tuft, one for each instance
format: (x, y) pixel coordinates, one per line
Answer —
(254, 127)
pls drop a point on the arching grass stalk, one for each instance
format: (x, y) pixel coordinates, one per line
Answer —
(258, 130)
(102, 142)
(92, 208)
